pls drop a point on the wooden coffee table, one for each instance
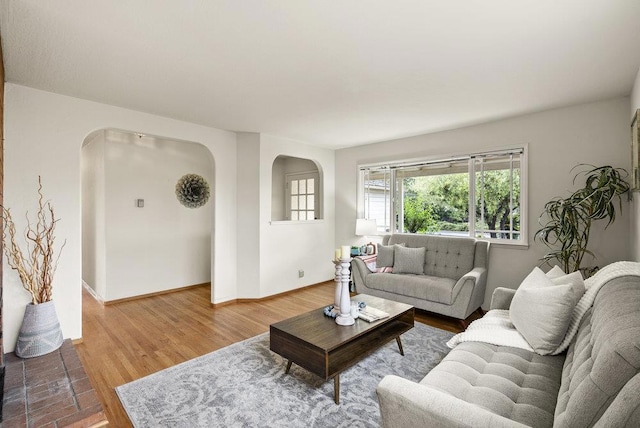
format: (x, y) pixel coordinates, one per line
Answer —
(315, 342)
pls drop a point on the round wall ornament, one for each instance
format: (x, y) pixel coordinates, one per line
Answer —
(192, 190)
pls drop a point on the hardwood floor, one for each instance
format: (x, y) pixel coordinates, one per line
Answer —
(132, 339)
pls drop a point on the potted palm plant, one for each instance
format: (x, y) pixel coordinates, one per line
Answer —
(566, 222)
(36, 263)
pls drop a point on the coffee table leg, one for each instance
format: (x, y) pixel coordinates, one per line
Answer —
(336, 389)
(400, 346)
(286, 371)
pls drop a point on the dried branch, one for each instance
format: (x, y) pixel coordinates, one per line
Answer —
(36, 265)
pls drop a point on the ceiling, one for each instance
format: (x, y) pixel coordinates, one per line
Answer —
(331, 73)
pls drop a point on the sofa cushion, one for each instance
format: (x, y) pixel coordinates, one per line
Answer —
(431, 288)
(603, 358)
(576, 282)
(445, 257)
(555, 272)
(512, 382)
(408, 260)
(385, 255)
(541, 310)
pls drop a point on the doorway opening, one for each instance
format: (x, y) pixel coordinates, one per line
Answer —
(138, 239)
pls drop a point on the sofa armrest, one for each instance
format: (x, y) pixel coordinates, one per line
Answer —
(359, 271)
(404, 403)
(476, 276)
(501, 298)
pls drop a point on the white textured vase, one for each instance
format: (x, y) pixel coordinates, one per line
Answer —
(40, 332)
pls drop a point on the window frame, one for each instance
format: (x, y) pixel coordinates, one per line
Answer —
(387, 196)
(471, 158)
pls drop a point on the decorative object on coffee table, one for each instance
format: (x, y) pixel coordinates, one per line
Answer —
(192, 190)
(345, 318)
(338, 292)
(40, 332)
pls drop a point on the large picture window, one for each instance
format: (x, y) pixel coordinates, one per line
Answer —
(479, 195)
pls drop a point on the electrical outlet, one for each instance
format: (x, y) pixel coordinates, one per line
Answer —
(300, 273)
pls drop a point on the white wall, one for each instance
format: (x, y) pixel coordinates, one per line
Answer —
(249, 260)
(163, 245)
(635, 94)
(595, 133)
(295, 165)
(43, 136)
(278, 189)
(93, 214)
(635, 207)
(270, 253)
(288, 246)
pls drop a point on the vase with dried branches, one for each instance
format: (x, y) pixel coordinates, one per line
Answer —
(36, 262)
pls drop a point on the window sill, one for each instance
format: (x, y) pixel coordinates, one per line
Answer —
(514, 245)
(498, 242)
(293, 222)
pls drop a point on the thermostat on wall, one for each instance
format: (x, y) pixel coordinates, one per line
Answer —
(140, 203)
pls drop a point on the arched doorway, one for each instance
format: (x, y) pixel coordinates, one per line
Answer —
(138, 239)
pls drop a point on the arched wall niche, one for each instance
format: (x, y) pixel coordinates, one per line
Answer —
(296, 189)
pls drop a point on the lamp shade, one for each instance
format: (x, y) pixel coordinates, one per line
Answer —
(366, 227)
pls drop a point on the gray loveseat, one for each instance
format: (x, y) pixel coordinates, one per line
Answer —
(452, 283)
(595, 383)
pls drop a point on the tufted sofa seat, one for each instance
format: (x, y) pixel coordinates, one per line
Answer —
(453, 281)
(596, 383)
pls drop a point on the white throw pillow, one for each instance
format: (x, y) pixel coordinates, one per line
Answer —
(541, 309)
(557, 276)
(576, 281)
(555, 272)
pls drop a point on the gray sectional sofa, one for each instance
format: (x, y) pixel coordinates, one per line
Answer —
(595, 383)
(452, 281)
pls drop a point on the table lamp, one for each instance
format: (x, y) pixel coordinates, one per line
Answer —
(365, 227)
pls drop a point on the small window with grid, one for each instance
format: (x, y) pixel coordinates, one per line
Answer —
(301, 196)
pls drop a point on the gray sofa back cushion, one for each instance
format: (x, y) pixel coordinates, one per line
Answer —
(448, 257)
(603, 358)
